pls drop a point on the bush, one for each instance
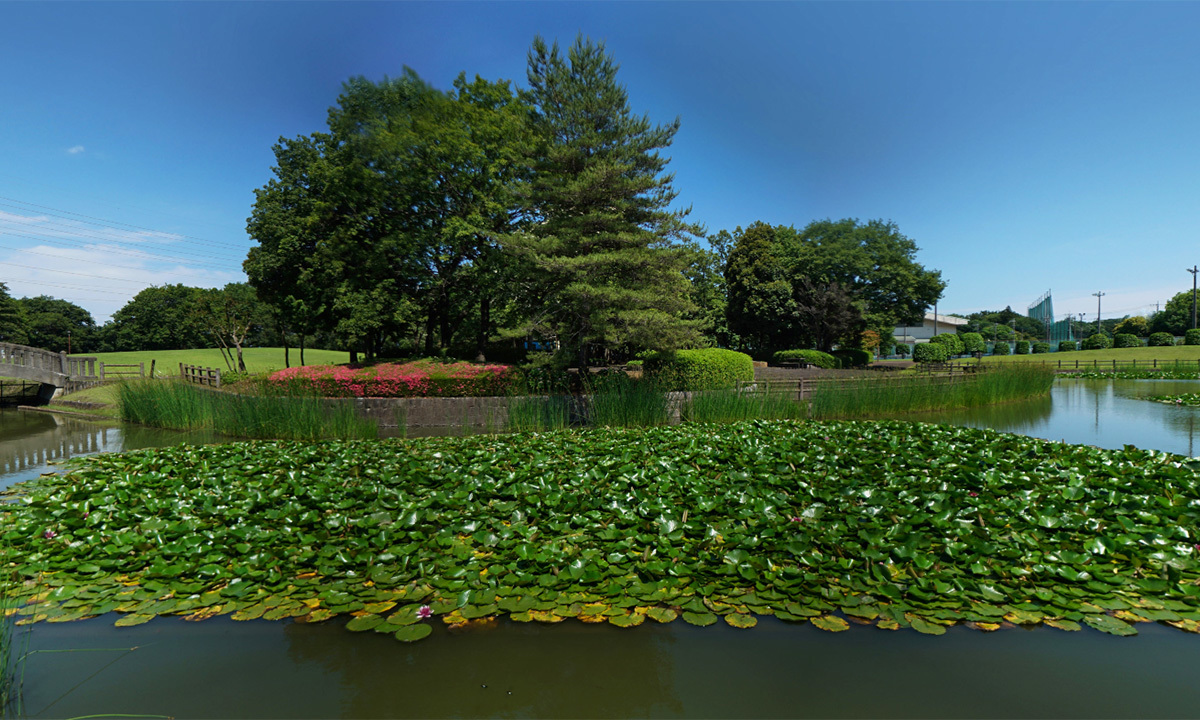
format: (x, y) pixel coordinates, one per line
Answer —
(1067, 346)
(815, 358)
(1124, 340)
(1040, 348)
(704, 369)
(973, 343)
(1022, 347)
(1192, 337)
(1161, 339)
(954, 346)
(1098, 341)
(1001, 348)
(902, 349)
(420, 378)
(930, 352)
(854, 357)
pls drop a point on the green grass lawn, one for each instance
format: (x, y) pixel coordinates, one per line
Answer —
(1186, 353)
(257, 359)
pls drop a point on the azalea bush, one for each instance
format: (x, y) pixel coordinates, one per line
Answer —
(421, 378)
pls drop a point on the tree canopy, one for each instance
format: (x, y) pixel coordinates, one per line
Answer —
(1176, 315)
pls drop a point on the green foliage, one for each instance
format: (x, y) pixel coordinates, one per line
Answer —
(181, 406)
(158, 318)
(1067, 346)
(954, 345)
(1135, 325)
(760, 298)
(878, 397)
(1176, 316)
(1001, 348)
(1161, 339)
(930, 352)
(1097, 341)
(618, 400)
(602, 265)
(49, 322)
(815, 358)
(13, 327)
(973, 342)
(733, 405)
(1040, 348)
(903, 349)
(992, 324)
(1126, 340)
(232, 314)
(1022, 347)
(1184, 399)
(853, 357)
(703, 369)
(1192, 337)
(317, 511)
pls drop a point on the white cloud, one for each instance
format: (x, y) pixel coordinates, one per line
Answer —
(77, 150)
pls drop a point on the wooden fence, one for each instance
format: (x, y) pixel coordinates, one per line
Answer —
(1083, 365)
(117, 371)
(802, 388)
(200, 375)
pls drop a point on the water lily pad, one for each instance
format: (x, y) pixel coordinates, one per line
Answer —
(365, 622)
(701, 619)
(412, 633)
(1110, 625)
(1062, 624)
(830, 623)
(630, 620)
(131, 620)
(739, 620)
(661, 614)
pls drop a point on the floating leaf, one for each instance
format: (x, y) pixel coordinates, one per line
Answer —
(131, 620)
(830, 623)
(412, 633)
(1110, 625)
(738, 620)
(701, 619)
(661, 614)
(365, 622)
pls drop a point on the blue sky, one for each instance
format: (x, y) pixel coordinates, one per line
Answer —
(1023, 146)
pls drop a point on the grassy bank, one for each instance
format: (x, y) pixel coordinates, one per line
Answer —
(180, 406)
(1182, 353)
(901, 525)
(881, 396)
(258, 360)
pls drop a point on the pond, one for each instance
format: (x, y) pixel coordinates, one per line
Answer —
(223, 668)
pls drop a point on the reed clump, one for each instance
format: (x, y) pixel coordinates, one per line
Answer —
(269, 415)
(618, 400)
(734, 404)
(874, 397)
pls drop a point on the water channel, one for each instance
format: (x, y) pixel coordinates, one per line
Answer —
(222, 668)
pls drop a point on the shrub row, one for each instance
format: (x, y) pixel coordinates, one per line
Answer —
(703, 369)
(815, 358)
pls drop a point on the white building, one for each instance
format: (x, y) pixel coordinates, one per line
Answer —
(933, 325)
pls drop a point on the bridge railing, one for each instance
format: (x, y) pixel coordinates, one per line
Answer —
(75, 367)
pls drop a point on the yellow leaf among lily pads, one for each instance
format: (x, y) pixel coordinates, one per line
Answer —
(741, 621)
(830, 623)
(661, 614)
(1191, 626)
(595, 608)
(319, 615)
(630, 620)
(131, 620)
(1063, 624)
(379, 608)
(984, 626)
(545, 616)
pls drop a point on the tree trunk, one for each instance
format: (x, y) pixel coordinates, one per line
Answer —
(429, 325)
(485, 309)
(301, 348)
(241, 362)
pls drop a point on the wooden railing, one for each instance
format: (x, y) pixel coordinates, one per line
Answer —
(118, 371)
(200, 375)
(1083, 364)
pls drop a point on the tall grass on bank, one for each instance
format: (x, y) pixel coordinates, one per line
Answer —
(621, 401)
(12, 652)
(732, 405)
(537, 413)
(874, 397)
(180, 406)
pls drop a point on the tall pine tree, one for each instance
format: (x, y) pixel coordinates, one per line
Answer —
(604, 270)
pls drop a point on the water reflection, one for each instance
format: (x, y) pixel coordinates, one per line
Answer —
(1104, 413)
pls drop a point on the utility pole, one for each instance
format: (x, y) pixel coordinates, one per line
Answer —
(1193, 270)
(1098, 296)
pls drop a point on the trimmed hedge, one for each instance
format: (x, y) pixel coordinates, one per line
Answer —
(930, 352)
(903, 349)
(854, 357)
(1098, 341)
(954, 346)
(1192, 337)
(1161, 339)
(812, 357)
(973, 342)
(703, 369)
(1022, 347)
(1001, 348)
(1125, 340)
(1067, 346)
(1040, 348)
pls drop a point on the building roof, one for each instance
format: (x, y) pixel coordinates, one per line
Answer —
(946, 319)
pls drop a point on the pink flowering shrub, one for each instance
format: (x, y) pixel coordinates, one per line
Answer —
(422, 378)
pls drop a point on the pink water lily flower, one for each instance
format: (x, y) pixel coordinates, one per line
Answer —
(49, 534)
(973, 494)
(425, 612)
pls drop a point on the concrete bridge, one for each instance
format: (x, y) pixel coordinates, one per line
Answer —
(55, 372)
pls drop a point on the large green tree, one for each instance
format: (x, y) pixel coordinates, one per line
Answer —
(603, 269)
(54, 324)
(387, 224)
(13, 328)
(1176, 315)
(163, 317)
(759, 307)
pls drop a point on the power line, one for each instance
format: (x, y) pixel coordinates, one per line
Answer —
(89, 262)
(76, 245)
(90, 220)
(89, 234)
(86, 275)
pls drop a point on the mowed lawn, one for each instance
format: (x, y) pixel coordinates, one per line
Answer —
(257, 359)
(1182, 353)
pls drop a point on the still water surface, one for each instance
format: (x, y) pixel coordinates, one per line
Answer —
(222, 668)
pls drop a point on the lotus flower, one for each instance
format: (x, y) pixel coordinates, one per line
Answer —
(49, 534)
(973, 494)
(425, 612)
